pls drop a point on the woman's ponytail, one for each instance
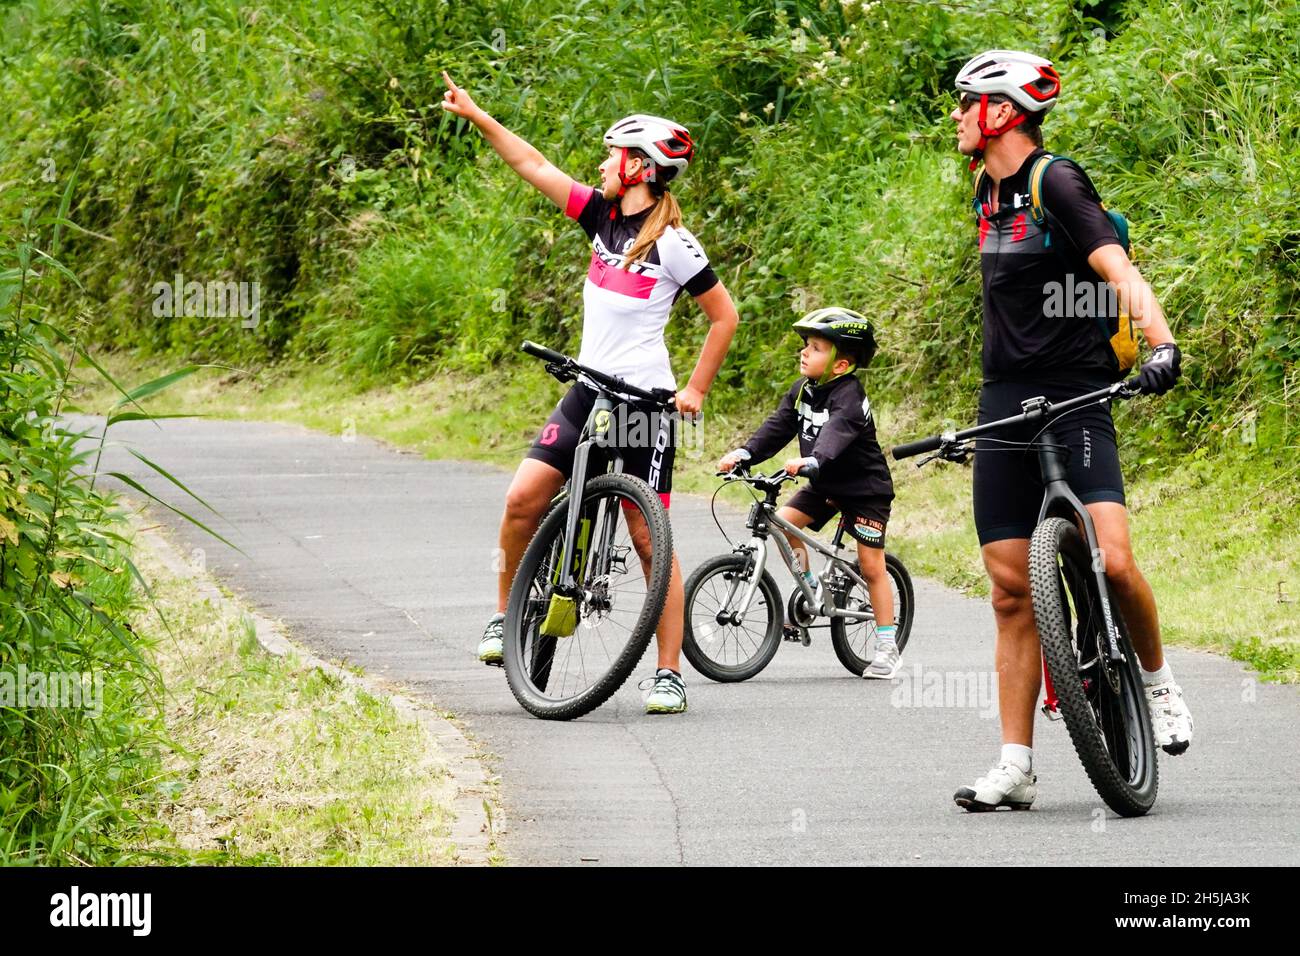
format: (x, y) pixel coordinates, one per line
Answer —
(665, 213)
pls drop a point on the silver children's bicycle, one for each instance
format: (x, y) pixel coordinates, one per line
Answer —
(734, 617)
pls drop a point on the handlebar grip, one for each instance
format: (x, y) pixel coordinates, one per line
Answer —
(918, 447)
(542, 352)
(809, 470)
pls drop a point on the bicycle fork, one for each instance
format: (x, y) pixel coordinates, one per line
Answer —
(757, 554)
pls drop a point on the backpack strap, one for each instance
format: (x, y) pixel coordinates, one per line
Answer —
(1041, 214)
(975, 200)
(1036, 174)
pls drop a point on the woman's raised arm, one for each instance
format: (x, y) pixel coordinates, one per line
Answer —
(520, 155)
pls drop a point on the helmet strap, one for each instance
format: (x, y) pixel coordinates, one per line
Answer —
(987, 132)
(829, 375)
(627, 181)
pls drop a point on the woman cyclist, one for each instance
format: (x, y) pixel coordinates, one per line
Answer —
(641, 260)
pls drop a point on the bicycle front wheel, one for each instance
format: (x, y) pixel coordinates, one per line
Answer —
(718, 649)
(1103, 702)
(565, 655)
(855, 641)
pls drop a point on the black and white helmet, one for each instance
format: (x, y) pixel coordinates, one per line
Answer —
(667, 144)
(1029, 80)
(851, 332)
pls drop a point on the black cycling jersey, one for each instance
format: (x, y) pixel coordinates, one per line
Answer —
(835, 426)
(1026, 336)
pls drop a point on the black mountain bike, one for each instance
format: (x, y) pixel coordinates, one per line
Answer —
(585, 600)
(1089, 665)
(733, 608)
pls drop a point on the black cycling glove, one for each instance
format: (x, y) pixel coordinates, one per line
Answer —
(1161, 370)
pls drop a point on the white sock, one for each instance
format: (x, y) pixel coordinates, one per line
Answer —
(886, 633)
(1156, 677)
(1018, 755)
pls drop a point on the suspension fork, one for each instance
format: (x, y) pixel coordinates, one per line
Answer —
(577, 526)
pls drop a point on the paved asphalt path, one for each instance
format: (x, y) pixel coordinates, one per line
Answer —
(384, 560)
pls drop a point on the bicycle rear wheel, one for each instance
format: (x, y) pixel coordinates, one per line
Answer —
(1103, 703)
(613, 615)
(855, 641)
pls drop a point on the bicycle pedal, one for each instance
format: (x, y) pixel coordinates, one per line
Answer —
(791, 633)
(1049, 713)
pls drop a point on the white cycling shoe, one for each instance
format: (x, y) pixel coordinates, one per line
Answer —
(1006, 785)
(1170, 719)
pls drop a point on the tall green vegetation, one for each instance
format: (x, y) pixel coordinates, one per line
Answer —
(301, 147)
(80, 699)
(79, 710)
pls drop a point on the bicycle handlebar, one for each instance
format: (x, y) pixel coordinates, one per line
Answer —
(564, 367)
(918, 447)
(741, 473)
(542, 352)
(1034, 409)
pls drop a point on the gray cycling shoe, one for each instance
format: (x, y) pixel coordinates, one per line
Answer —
(490, 646)
(885, 664)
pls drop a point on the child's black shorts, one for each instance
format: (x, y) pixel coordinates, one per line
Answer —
(864, 518)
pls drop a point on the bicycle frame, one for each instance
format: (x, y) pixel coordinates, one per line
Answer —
(763, 518)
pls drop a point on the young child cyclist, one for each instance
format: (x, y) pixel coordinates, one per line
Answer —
(828, 408)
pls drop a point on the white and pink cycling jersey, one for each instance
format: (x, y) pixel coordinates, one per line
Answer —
(625, 311)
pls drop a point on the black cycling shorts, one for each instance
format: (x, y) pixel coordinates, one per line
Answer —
(645, 435)
(1008, 487)
(864, 518)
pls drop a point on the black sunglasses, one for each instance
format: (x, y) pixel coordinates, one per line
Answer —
(965, 100)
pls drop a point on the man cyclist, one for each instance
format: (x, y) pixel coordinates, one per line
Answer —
(642, 259)
(1028, 350)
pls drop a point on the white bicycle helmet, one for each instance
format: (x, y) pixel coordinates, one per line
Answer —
(667, 145)
(1029, 80)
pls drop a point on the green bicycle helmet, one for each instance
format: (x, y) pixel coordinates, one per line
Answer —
(850, 332)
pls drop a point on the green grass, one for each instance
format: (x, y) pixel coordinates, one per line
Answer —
(273, 762)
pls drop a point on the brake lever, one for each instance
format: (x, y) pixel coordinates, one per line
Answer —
(560, 370)
(957, 452)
